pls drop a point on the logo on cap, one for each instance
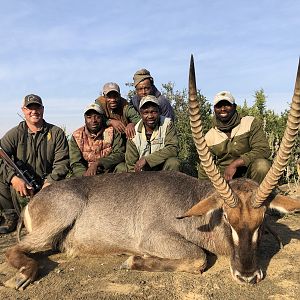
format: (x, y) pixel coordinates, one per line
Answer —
(110, 87)
(32, 99)
(149, 98)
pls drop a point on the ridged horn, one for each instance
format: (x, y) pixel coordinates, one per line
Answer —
(203, 151)
(285, 148)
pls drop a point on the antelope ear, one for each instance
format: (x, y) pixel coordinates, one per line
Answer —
(285, 204)
(203, 207)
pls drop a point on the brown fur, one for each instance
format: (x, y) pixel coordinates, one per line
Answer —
(136, 214)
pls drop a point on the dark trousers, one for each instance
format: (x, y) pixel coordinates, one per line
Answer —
(9, 198)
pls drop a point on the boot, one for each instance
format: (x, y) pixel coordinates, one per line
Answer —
(10, 221)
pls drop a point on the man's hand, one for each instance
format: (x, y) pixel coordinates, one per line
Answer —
(231, 169)
(20, 186)
(92, 169)
(117, 125)
(130, 131)
(139, 165)
(46, 183)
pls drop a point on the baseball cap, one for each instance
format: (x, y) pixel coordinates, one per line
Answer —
(94, 106)
(224, 95)
(32, 99)
(148, 98)
(110, 87)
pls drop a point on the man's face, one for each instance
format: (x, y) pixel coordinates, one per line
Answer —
(144, 88)
(33, 114)
(93, 121)
(224, 110)
(112, 99)
(150, 115)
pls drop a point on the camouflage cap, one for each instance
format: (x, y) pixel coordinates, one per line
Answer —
(141, 75)
(32, 99)
(110, 87)
(147, 99)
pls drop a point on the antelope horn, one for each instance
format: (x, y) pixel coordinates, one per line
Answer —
(285, 148)
(203, 151)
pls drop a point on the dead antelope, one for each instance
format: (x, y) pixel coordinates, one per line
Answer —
(135, 213)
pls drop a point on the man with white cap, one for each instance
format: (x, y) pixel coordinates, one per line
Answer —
(119, 114)
(94, 147)
(238, 144)
(41, 148)
(155, 145)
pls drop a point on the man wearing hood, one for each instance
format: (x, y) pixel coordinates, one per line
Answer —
(144, 86)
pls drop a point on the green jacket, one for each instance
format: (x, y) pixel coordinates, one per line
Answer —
(125, 112)
(164, 139)
(79, 165)
(248, 141)
(51, 142)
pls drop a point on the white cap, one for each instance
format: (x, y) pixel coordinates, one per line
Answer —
(94, 106)
(224, 95)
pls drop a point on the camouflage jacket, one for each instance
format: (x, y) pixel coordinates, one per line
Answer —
(108, 148)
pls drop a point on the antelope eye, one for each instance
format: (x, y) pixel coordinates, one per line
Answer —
(225, 217)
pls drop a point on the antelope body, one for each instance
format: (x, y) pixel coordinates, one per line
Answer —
(100, 215)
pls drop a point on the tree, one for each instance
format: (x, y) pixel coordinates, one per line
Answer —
(187, 150)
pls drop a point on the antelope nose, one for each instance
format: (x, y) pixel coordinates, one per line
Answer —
(252, 279)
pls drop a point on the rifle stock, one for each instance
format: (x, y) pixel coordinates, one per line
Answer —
(22, 173)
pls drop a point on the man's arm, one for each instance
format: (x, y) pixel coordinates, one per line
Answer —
(77, 162)
(259, 148)
(258, 144)
(61, 162)
(131, 155)
(132, 115)
(166, 107)
(117, 154)
(9, 144)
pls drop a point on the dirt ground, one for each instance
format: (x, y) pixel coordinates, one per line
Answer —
(101, 278)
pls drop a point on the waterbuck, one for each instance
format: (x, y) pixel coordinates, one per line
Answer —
(163, 219)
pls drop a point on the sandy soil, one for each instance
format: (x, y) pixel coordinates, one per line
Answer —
(101, 278)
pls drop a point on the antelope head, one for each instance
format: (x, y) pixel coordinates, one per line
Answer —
(243, 201)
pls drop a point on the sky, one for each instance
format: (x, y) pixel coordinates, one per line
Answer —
(66, 50)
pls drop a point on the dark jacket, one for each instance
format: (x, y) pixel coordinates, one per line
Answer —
(45, 153)
(166, 109)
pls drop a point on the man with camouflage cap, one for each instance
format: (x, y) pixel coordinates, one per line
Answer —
(94, 147)
(144, 86)
(119, 114)
(42, 147)
(238, 144)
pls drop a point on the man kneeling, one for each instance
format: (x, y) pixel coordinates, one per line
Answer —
(155, 145)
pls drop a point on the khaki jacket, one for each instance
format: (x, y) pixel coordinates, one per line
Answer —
(163, 144)
(248, 141)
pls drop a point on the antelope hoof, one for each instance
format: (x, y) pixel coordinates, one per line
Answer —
(18, 282)
(128, 263)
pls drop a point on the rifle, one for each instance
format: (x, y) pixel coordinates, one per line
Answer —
(21, 171)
